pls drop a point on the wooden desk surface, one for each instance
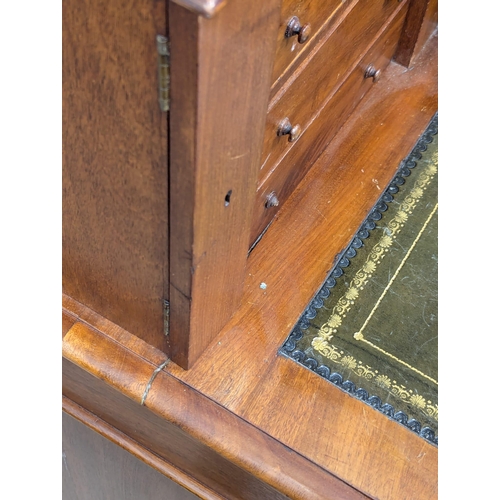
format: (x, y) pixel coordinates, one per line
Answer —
(288, 427)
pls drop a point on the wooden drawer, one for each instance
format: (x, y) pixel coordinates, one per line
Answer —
(320, 76)
(292, 168)
(318, 15)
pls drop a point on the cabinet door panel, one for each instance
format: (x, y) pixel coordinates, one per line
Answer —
(115, 185)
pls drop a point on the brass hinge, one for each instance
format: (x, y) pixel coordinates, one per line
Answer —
(163, 48)
(166, 316)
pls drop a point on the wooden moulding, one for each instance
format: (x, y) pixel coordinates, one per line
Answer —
(214, 452)
(310, 88)
(220, 80)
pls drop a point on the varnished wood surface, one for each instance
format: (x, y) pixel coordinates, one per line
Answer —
(321, 74)
(115, 179)
(319, 15)
(95, 468)
(134, 448)
(204, 440)
(67, 322)
(420, 23)
(241, 370)
(118, 404)
(429, 24)
(220, 79)
(241, 373)
(297, 158)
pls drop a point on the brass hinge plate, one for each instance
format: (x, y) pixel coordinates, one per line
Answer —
(163, 48)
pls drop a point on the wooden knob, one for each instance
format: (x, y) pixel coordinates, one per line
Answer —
(371, 72)
(294, 28)
(286, 128)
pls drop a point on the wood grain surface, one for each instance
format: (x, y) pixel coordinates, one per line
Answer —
(113, 435)
(420, 23)
(241, 369)
(220, 450)
(115, 179)
(315, 81)
(320, 16)
(241, 376)
(95, 468)
(324, 123)
(221, 75)
(245, 422)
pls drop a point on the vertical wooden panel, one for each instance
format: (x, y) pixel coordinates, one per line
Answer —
(429, 24)
(115, 174)
(420, 22)
(217, 131)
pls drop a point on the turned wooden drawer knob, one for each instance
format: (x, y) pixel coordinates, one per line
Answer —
(371, 72)
(294, 28)
(286, 128)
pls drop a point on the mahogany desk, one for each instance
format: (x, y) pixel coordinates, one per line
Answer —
(211, 147)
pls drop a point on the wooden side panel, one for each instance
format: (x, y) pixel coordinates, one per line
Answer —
(221, 75)
(97, 469)
(420, 22)
(115, 176)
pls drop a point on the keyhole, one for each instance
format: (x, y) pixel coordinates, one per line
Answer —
(227, 199)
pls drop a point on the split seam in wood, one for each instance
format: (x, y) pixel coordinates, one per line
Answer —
(150, 383)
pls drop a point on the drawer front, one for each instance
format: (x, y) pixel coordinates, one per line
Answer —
(320, 76)
(284, 179)
(297, 36)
